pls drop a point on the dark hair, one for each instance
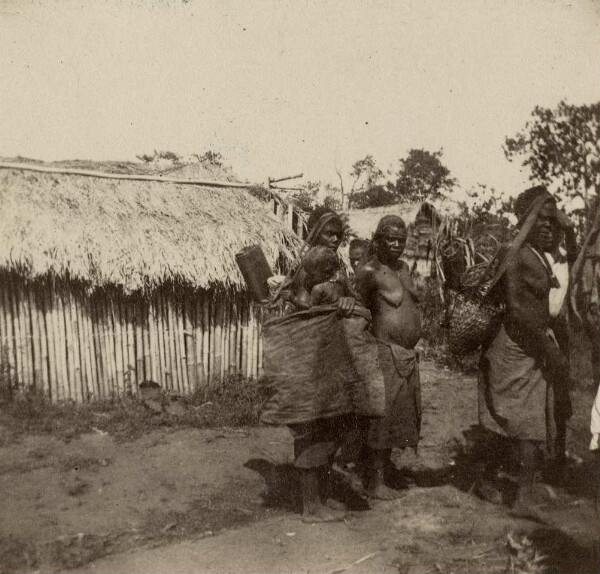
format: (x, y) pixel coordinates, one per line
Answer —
(526, 199)
(318, 214)
(387, 222)
(317, 260)
(358, 243)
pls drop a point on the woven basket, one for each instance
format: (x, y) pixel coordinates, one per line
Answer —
(473, 321)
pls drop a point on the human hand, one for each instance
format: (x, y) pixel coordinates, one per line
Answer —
(563, 220)
(346, 305)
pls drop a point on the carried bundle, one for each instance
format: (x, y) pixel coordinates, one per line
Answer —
(320, 364)
(478, 308)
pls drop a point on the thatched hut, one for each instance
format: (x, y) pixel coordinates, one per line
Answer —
(423, 221)
(106, 283)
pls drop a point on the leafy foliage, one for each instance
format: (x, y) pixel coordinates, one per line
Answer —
(422, 176)
(562, 147)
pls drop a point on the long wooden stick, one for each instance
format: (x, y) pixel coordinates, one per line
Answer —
(579, 263)
(104, 175)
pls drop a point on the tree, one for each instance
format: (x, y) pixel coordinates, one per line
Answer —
(376, 196)
(561, 148)
(306, 197)
(422, 176)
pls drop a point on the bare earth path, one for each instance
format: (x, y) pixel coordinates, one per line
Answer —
(183, 502)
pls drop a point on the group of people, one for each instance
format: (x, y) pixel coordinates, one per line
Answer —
(524, 383)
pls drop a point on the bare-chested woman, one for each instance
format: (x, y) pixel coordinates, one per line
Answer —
(384, 283)
(523, 362)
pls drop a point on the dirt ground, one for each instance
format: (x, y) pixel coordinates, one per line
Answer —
(181, 500)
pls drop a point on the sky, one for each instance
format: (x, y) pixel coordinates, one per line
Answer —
(282, 87)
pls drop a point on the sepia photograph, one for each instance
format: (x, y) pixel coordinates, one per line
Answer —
(300, 286)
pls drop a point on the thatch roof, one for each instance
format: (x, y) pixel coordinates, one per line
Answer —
(132, 234)
(363, 222)
(421, 218)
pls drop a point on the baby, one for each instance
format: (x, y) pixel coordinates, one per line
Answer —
(322, 280)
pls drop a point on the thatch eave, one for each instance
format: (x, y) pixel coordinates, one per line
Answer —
(135, 235)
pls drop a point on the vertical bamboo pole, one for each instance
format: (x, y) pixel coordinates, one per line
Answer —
(68, 342)
(206, 337)
(162, 348)
(214, 340)
(43, 337)
(250, 341)
(86, 379)
(18, 345)
(245, 335)
(172, 346)
(259, 314)
(51, 332)
(154, 354)
(75, 355)
(226, 323)
(238, 333)
(189, 338)
(198, 340)
(10, 335)
(131, 359)
(182, 344)
(233, 322)
(63, 357)
(92, 355)
(83, 317)
(26, 335)
(117, 346)
(88, 388)
(35, 344)
(6, 354)
(108, 345)
(20, 330)
(98, 339)
(120, 307)
(4, 340)
(169, 342)
(146, 341)
(252, 349)
(139, 344)
(218, 330)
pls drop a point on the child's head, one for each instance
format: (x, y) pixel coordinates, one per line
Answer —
(320, 265)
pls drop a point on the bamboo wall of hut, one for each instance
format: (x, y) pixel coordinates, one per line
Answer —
(72, 346)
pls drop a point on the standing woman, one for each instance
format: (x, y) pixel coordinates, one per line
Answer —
(316, 441)
(523, 363)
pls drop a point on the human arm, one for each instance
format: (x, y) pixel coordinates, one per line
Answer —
(595, 422)
(567, 227)
(408, 283)
(318, 294)
(526, 312)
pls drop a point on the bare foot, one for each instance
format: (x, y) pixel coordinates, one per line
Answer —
(382, 492)
(321, 513)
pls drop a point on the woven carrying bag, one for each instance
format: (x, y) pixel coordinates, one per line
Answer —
(475, 313)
